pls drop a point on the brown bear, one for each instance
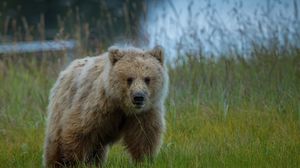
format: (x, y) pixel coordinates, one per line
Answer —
(97, 101)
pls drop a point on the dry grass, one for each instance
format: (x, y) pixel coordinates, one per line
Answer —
(226, 112)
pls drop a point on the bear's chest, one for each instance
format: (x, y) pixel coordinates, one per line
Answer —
(110, 128)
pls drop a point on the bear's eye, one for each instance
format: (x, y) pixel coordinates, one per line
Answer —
(147, 80)
(129, 81)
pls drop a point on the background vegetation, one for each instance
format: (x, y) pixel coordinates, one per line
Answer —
(223, 111)
(50, 17)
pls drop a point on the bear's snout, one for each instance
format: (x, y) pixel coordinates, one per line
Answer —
(138, 99)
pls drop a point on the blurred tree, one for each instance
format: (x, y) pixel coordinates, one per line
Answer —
(106, 19)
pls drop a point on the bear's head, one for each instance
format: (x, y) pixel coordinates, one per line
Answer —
(136, 79)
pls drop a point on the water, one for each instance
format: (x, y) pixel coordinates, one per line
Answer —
(218, 26)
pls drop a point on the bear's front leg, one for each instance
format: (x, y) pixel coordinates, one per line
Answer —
(100, 155)
(82, 148)
(143, 134)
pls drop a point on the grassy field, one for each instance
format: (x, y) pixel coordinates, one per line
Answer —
(233, 112)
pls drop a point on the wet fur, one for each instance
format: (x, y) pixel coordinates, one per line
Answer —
(88, 111)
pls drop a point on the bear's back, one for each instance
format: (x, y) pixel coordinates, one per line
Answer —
(79, 75)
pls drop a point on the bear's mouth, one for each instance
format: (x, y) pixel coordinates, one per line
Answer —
(139, 105)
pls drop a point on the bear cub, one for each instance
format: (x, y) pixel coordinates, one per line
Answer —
(97, 101)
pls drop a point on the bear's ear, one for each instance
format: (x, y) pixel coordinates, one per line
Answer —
(158, 53)
(115, 54)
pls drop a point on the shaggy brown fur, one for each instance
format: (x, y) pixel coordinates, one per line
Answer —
(92, 105)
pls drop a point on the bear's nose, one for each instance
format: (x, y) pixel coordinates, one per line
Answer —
(138, 98)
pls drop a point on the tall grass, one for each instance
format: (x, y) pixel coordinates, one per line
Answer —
(267, 83)
(225, 113)
(230, 111)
